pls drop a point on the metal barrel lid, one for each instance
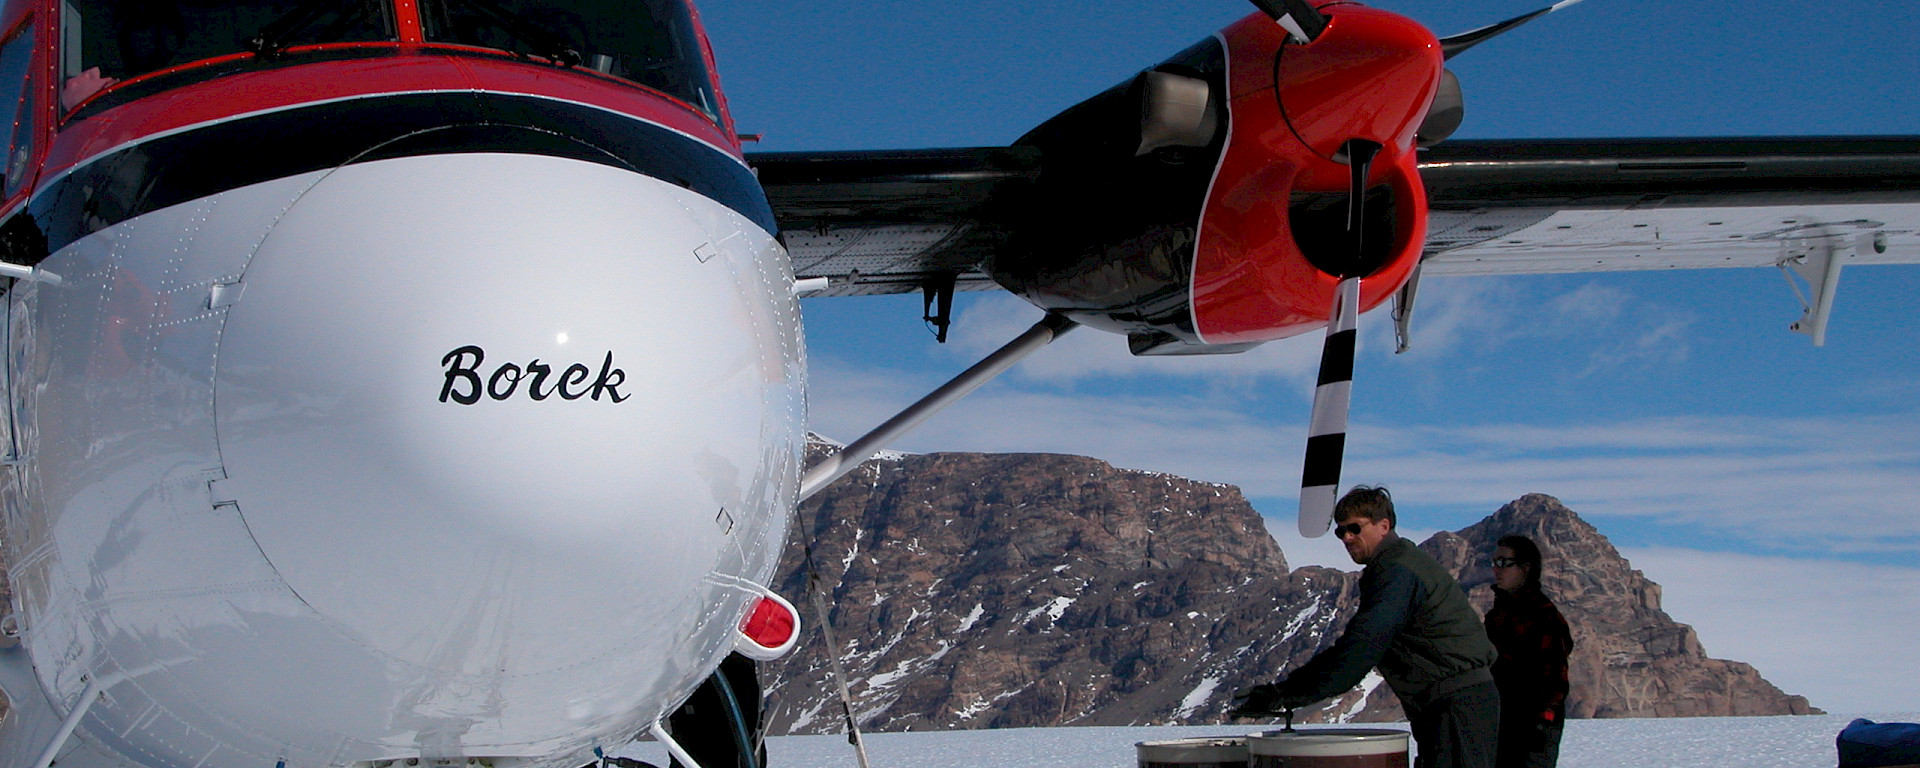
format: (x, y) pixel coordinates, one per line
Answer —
(1328, 742)
(1204, 749)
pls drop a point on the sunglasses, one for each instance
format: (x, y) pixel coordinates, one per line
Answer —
(1503, 562)
(1350, 529)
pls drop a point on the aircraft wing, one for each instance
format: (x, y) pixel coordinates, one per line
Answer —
(891, 221)
(1511, 207)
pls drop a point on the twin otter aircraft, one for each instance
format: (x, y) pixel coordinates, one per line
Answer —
(401, 380)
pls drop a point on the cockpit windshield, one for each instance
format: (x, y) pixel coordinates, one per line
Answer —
(120, 39)
(652, 42)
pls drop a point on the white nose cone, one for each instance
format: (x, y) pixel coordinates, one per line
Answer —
(497, 417)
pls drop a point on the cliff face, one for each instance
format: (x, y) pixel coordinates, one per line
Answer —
(1630, 658)
(993, 590)
(971, 590)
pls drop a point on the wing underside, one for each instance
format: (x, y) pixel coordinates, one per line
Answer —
(891, 221)
(900, 221)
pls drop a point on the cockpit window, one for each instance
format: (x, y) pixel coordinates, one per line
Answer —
(106, 41)
(16, 109)
(651, 42)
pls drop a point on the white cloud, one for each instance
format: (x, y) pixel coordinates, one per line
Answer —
(1770, 482)
(1448, 314)
(1587, 305)
(1665, 343)
(1624, 331)
(1767, 482)
(1683, 433)
(1839, 633)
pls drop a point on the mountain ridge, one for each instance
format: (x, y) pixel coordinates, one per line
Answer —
(1014, 590)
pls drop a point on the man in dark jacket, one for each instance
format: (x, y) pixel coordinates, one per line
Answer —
(1416, 626)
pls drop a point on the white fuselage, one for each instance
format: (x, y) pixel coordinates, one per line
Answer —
(249, 499)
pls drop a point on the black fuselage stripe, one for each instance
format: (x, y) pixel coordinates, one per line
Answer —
(205, 161)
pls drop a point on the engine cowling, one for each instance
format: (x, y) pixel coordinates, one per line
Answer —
(1202, 206)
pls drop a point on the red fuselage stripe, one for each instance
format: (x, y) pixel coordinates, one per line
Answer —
(409, 71)
(180, 166)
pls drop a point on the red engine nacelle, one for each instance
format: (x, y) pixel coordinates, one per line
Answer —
(1229, 228)
(1265, 255)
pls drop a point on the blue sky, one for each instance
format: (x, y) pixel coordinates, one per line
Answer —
(1773, 488)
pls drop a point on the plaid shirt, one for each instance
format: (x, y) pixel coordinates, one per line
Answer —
(1534, 642)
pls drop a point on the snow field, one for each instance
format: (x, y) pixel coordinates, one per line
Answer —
(1690, 742)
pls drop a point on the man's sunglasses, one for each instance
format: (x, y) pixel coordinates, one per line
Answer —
(1503, 562)
(1350, 529)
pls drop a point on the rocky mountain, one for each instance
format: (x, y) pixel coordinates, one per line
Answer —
(974, 590)
(1010, 590)
(1630, 658)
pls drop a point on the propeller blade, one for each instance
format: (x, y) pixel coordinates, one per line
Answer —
(1327, 427)
(1452, 46)
(1301, 19)
(1359, 154)
(1445, 114)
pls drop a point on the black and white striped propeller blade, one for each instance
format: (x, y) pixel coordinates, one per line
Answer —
(1327, 426)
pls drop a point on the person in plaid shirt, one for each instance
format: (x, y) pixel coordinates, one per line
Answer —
(1531, 672)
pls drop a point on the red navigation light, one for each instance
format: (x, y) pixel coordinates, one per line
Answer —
(771, 627)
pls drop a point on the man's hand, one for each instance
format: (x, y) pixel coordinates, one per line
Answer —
(1257, 701)
(1267, 700)
(83, 85)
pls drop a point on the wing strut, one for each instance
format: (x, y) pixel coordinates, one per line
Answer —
(854, 736)
(937, 303)
(678, 752)
(1403, 312)
(833, 467)
(72, 721)
(1819, 268)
